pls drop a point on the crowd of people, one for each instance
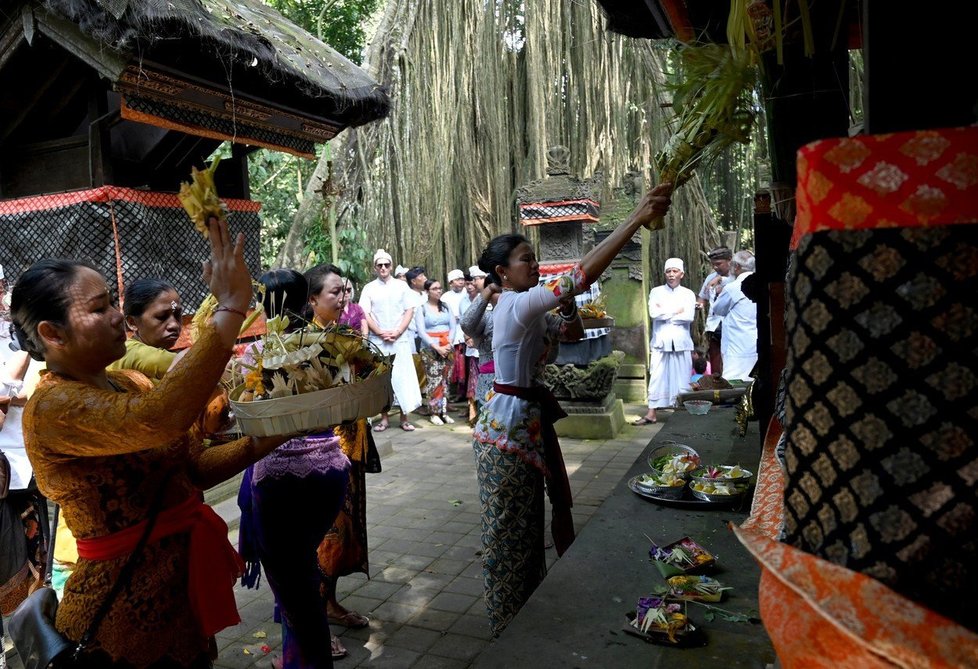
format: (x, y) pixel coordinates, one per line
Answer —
(676, 365)
(124, 434)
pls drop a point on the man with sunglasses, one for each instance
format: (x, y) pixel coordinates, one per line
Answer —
(389, 308)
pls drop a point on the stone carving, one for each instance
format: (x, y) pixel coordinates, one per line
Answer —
(560, 184)
(561, 241)
(593, 382)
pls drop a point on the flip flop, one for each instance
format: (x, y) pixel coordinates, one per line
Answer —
(643, 421)
(351, 620)
(380, 427)
(337, 649)
(407, 427)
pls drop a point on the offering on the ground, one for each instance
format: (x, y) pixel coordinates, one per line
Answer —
(717, 488)
(723, 472)
(680, 557)
(661, 481)
(721, 480)
(675, 463)
(695, 588)
(655, 615)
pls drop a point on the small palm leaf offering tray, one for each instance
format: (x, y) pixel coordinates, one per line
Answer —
(308, 380)
(695, 588)
(680, 558)
(659, 620)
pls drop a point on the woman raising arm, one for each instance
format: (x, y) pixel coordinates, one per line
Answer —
(103, 445)
(514, 439)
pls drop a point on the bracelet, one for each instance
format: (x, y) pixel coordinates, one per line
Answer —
(232, 310)
(568, 318)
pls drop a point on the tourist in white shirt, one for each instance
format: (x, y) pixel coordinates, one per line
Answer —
(672, 308)
(389, 307)
(739, 343)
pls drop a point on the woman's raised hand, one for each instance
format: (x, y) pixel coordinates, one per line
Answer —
(654, 205)
(226, 272)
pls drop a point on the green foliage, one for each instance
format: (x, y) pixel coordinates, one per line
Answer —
(354, 257)
(339, 23)
(278, 180)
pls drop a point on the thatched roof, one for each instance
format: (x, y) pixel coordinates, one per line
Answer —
(685, 20)
(243, 44)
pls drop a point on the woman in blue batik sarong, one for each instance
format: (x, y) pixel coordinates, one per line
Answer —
(516, 447)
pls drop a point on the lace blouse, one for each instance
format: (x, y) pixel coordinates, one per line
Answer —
(102, 456)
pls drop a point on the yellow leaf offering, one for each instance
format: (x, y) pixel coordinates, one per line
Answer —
(199, 197)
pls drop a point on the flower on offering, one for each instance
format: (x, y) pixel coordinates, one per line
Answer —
(594, 309)
(680, 557)
(306, 360)
(662, 480)
(722, 472)
(716, 488)
(678, 463)
(656, 615)
(695, 588)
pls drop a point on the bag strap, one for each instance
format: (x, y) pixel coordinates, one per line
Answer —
(125, 574)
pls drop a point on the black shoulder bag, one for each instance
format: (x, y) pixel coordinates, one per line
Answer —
(38, 642)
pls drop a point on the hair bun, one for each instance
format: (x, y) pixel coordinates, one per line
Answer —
(24, 342)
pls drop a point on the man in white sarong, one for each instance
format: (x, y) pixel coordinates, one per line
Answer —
(388, 305)
(672, 308)
(739, 343)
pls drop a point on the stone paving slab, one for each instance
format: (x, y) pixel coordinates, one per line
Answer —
(424, 595)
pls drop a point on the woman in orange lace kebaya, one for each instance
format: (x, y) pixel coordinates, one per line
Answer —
(103, 444)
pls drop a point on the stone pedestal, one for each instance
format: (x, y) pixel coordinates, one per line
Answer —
(588, 420)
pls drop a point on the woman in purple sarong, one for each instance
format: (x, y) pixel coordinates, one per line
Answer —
(309, 473)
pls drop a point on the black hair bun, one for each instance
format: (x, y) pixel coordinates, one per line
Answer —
(25, 343)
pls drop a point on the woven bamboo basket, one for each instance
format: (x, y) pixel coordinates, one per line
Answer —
(314, 411)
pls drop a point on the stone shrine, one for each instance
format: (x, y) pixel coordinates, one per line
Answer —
(564, 209)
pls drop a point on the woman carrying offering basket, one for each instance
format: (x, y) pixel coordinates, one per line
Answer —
(309, 472)
(343, 551)
(106, 446)
(514, 439)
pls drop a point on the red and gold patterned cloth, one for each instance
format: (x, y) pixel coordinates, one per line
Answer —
(819, 614)
(907, 179)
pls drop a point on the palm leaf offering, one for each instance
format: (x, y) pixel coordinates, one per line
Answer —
(306, 360)
(199, 197)
(712, 101)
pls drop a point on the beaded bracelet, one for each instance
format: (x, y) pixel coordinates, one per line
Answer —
(232, 310)
(568, 318)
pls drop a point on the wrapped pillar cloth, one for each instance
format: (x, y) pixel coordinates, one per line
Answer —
(881, 465)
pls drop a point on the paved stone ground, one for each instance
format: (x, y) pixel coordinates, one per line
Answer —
(424, 595)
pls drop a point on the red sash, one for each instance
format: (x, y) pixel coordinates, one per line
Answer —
(214, 564)
(440, 337)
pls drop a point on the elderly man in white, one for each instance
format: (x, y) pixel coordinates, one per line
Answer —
(389, 307)
(672, 308)
(739, 344)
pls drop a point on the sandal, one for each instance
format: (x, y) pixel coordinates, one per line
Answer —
(351, 620)
(380, 427)
(643, 421)
(337, 648)
(407, 427)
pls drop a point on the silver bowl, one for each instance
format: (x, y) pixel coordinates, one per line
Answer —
(712, 497)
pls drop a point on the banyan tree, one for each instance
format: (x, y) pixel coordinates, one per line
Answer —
(480, 90)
